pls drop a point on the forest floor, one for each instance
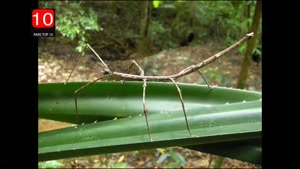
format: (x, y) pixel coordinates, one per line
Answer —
(56, 66)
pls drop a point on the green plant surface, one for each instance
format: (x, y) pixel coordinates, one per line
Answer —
(215, 116)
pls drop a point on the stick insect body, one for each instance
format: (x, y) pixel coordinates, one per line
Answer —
(172, 78)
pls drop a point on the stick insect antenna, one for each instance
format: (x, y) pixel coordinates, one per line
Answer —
(77, 60)
(107, 70)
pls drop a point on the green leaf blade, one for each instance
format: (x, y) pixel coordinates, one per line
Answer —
(215, 117)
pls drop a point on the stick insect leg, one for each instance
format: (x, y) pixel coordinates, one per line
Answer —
(182, 104)
(192, 67)
(144, 97)
(204, 80)
(130, 66)
(144, 94)
(76, 94)
(128, 70)
(145, 108)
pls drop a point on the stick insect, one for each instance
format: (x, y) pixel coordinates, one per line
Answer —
(192, 68)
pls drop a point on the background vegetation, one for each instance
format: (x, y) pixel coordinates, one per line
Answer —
(122, 30)
(118, 25)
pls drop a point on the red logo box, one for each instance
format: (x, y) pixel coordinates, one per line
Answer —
(43, 18)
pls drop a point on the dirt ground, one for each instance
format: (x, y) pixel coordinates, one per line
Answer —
(55, 67)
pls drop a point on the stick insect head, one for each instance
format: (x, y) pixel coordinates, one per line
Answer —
(106, 71)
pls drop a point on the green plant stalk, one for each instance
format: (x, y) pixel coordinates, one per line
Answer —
(250, 46)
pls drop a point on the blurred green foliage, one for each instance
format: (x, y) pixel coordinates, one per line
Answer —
(73, 20)
(223, 21)
(177, 159)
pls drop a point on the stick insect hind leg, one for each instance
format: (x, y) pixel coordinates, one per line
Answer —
(205, 80)
(193, 66)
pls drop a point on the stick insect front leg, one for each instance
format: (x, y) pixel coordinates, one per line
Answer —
(106, 72)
